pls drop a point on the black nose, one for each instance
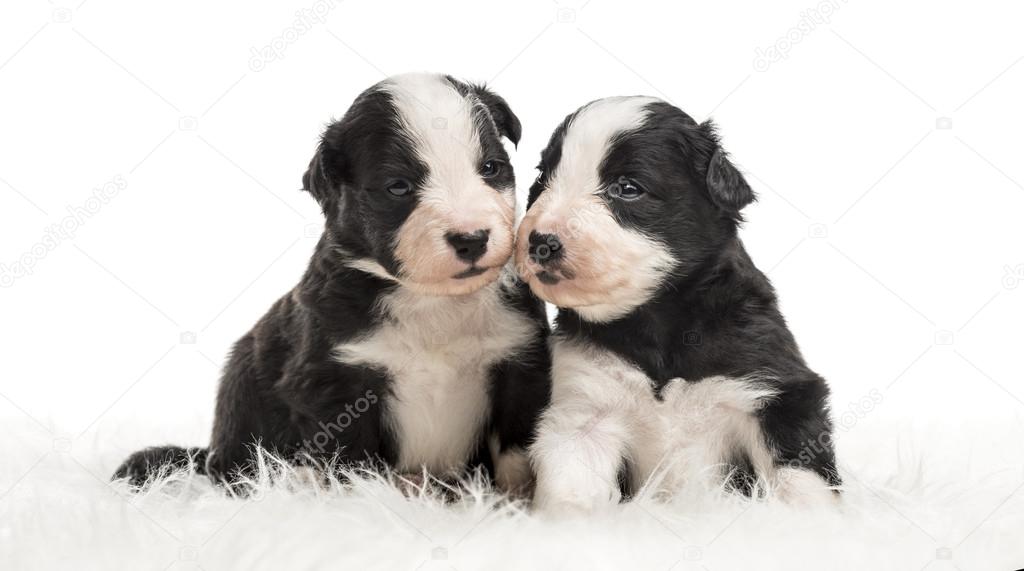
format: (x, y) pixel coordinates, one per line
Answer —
(545, 248)
(469, 247)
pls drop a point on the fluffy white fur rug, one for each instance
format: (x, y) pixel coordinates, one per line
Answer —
(914, 499)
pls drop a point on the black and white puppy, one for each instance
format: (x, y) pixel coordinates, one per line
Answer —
(408, 341)
(670, 357)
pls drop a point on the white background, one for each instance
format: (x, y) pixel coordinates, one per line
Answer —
(896, 246)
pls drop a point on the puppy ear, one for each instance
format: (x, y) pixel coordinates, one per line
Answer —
(321, 177)
(326, 168)
(729, 190)
(507, 122)
(726, 185)
(314, 181)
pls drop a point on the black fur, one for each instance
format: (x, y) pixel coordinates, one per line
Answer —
(716, 314)
(499, 114)
(281, 387)
(140, 465)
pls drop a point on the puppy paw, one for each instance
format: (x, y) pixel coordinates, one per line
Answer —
(513, 475)
(575, 505)
(804, 489)
(143, 465)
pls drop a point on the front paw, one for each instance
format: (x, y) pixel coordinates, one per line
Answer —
(575, 504)
(149, 463)
(513, 474)
(136, 469)
(564, 510)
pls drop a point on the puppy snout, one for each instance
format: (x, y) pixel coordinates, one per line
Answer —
(545, 249)
(469, 247)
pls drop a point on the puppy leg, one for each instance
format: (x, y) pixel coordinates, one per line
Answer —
(520, 390)
(714, 433)
(512, 472)
(143, 465)
(796, 426)
(801, 487)
(584, 437)
(578, 455)
(772, 436)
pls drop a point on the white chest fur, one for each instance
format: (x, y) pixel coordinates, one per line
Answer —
(438, 352)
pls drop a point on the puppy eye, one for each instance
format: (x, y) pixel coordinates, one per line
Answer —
(626, 189)
(400, 187)
(491, 169)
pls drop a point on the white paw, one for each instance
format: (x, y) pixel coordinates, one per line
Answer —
(575, 504)
(512, 473)
(803, 488)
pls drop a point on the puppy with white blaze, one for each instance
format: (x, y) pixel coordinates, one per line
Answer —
(671, 364)
(408, 342)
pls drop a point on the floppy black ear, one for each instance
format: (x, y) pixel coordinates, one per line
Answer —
(314, 180)
(324, 170)
(320, 178)
(729, 190)
(507, 122)
(726, 185)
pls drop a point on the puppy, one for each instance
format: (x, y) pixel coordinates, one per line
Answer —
(671, 361)
(407, 342)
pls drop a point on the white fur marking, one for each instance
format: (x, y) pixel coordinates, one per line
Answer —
(588, 138)
(512, 472)
(615, 268)
(438, 351)
(454, 198)
(604, 410)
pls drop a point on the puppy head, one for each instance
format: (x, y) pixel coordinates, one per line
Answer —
(631, 191)
(416, 185)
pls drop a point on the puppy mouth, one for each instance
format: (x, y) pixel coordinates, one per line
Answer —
(552, 275)
(564, 288)
(470, 273)
(547, 278)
